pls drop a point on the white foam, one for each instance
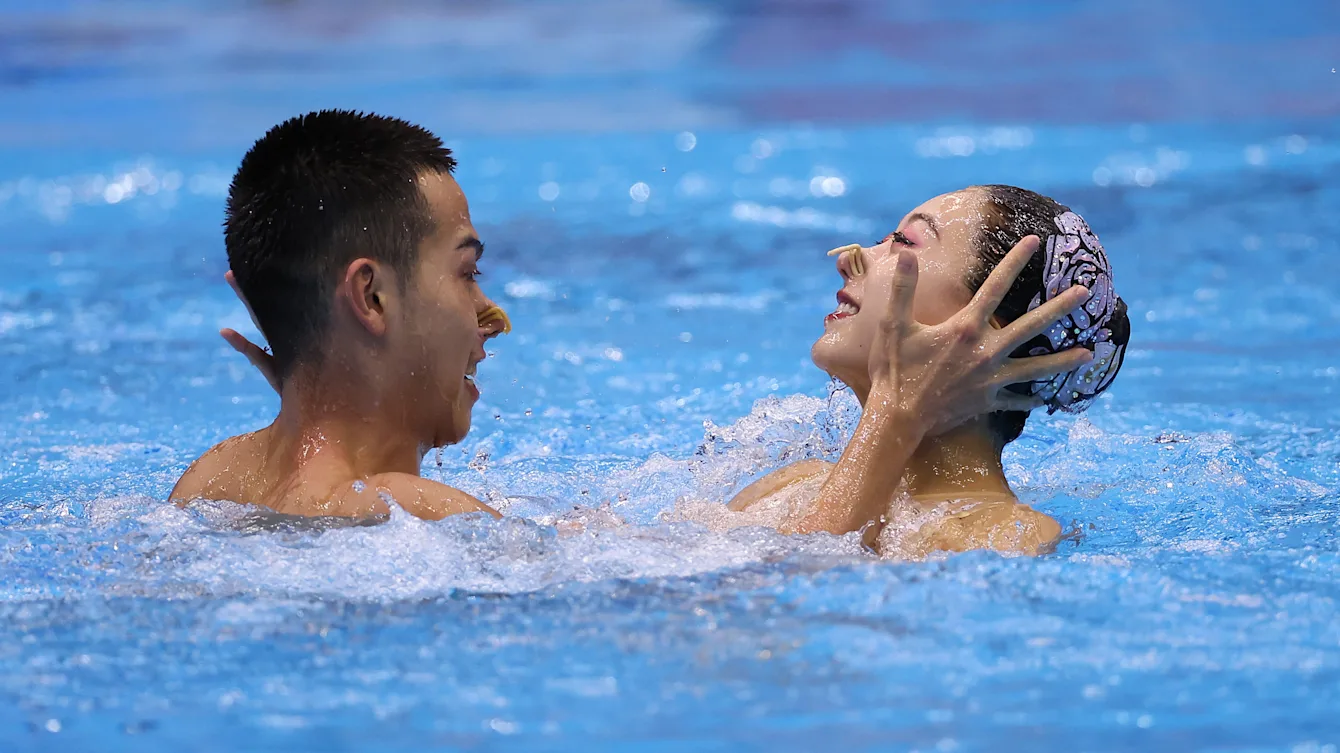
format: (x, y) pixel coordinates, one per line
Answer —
(599, 520)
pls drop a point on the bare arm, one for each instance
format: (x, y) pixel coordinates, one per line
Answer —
(860, 486)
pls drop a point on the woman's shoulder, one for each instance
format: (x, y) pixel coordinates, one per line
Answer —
(993, 522)
(778, 480)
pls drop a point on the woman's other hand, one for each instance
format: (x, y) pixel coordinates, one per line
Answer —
(263, 361)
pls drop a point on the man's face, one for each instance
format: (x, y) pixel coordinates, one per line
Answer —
(440, 339)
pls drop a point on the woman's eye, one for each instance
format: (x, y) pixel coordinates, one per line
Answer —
(897, 237)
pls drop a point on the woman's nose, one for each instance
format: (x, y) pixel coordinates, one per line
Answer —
(844, 266)
(850, 262)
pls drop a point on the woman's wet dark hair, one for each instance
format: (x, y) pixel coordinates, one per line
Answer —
(1009, 215)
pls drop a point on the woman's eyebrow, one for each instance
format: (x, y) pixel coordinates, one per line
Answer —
(929, 220)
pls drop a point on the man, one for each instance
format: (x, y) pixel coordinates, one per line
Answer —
(353, 247)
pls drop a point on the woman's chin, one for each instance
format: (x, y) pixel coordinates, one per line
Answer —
(828, 357)
(819, 354)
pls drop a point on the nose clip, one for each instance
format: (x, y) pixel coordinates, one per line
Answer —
(857, 260)
(493, 314)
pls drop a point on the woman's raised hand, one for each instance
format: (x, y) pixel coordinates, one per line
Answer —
(943, 375)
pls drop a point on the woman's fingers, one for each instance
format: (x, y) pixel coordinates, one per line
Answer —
(897, 316)
(1040, 319)
(237, 291)
(1002, 278)
(1033, 368)
(238, 341)
(904, 291)
(264, 362)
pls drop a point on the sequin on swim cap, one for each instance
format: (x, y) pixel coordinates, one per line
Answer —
(1076, 257)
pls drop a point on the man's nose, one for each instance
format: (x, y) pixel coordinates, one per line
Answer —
(493, 320)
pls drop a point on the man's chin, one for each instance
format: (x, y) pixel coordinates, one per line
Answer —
(455, 431)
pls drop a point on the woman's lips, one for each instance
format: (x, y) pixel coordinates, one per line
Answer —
(846, 307)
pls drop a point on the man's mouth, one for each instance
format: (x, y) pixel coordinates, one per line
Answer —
(846, 307)
(470, 379)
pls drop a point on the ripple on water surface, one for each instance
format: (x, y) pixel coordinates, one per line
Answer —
(1200, 567)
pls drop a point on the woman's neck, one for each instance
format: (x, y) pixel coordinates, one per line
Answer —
(965, 460)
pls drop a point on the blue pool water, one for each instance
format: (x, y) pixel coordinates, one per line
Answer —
(657, 183)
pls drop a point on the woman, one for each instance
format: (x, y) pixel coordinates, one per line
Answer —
(956, 496)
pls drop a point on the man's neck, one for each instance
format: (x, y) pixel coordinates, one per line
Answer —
(338, 421)
(963, 461)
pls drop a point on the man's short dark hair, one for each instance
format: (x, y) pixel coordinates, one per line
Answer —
(315, 193)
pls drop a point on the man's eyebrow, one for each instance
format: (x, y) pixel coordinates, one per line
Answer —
(475, 243)
(929, 220)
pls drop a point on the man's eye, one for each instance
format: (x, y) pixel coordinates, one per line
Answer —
(897, 237)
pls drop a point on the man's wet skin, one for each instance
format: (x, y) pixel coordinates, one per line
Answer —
(395, 380)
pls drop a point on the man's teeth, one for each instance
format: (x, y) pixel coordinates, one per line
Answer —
(845, 308)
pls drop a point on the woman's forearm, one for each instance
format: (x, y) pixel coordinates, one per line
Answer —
(860, 487)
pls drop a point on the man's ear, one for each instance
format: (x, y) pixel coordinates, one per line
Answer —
(365, 293)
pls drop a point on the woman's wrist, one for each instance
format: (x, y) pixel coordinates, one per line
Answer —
(890, 420)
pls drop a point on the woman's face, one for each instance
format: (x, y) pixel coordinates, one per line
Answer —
(942, 232)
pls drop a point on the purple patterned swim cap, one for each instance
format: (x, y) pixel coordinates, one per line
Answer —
(1076, 257)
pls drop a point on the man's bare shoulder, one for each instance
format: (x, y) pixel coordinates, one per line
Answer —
(235, 470)
(227, 471)
(418, 496)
